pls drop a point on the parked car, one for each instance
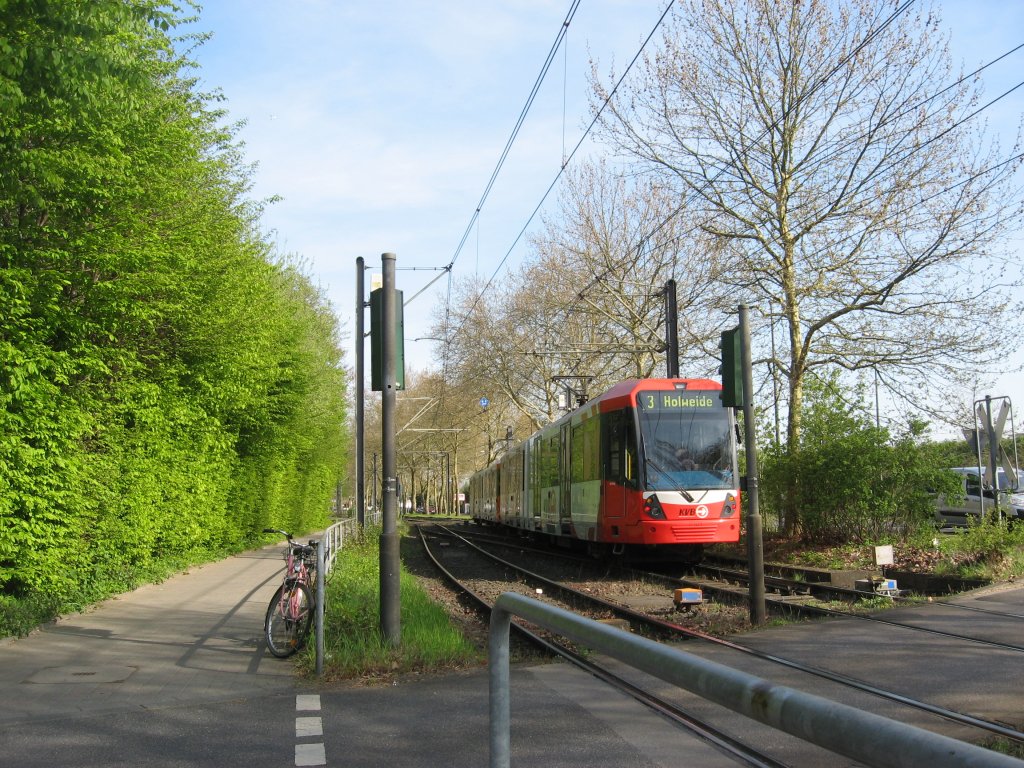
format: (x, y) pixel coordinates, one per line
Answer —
(978, 495)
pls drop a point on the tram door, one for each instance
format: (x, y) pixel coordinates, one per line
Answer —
(618, 460)
(564, 481)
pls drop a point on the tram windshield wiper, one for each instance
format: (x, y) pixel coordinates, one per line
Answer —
(672, 480)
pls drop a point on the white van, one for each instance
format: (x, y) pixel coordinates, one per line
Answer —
(1011, 503)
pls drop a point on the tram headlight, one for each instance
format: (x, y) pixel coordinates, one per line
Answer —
(729, 506)
(652, 508)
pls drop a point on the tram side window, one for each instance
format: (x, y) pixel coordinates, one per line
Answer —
(619, 448)
(549, 462)
(584, 452)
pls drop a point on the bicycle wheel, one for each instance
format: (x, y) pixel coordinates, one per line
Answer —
(288, 618)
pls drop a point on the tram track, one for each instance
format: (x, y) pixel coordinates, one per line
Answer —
(819, 591)
(640, 621)
(741, 753)
(798, 598)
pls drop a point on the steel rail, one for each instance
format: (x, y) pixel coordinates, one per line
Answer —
(666, 626)
(718, 739)
(815, 610)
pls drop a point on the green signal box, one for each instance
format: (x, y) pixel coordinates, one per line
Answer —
(732, 368)
(377, 333)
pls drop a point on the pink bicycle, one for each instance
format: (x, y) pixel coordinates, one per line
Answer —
(291, 609)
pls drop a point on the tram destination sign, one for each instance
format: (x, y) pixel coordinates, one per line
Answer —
(677, 401)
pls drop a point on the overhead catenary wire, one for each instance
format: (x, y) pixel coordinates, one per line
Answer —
(915, 106)
(611, 94)
(474, 218)
(567, 159)
(562, 31)
(967, 180)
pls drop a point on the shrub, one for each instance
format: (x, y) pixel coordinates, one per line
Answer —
(855, 481)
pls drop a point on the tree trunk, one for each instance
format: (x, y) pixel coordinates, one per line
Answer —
(797, 359)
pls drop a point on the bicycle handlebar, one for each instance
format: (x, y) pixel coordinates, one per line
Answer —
(277, 530)
(306, 550)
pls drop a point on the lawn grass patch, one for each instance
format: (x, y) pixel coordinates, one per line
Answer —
(353, 644)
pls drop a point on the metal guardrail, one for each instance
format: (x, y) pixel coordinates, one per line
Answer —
(330, 543)
(334, 539)
(870, 739)
(336, 535)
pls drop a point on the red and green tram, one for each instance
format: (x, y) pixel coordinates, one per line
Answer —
(648, 469)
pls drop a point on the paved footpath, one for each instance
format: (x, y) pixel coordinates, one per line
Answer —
(195, 638)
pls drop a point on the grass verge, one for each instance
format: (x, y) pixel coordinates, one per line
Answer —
(988, 550)
(354, 647)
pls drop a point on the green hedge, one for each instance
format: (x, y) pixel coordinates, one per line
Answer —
(169, 385)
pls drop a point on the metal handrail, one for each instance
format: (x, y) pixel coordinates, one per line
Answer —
(865, 737)
(330, 543)
(334, 539)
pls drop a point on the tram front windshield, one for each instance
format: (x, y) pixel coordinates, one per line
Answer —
(686, 440)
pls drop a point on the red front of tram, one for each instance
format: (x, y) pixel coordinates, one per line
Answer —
(671, 477)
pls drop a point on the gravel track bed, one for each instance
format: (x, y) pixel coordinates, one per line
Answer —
(489, 580)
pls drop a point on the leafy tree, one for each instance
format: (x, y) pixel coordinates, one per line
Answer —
(589, 302)
(437, 434)
(72, 78)
(493, 351)
(615, 243)
(830, 152)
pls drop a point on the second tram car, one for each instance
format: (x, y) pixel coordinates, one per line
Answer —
(648, 469)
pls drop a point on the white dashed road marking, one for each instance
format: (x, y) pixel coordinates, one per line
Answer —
(310, 754)
(309, 727)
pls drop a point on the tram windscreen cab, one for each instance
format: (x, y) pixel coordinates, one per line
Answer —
(687, 440)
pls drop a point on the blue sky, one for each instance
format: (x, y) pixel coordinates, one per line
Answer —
(379, 123)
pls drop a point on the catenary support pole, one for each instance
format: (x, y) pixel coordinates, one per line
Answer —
(389, 553)
(360, 376)
(671, 331)
(755, 545)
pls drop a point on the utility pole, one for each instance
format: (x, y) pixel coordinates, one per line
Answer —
(671, 331)
(755, 545)
(360, 416)
(390, 598)
(737, 392)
